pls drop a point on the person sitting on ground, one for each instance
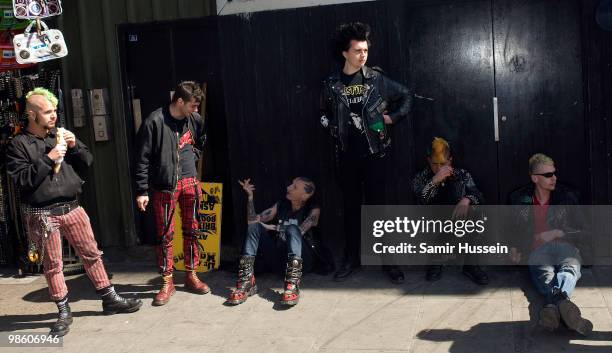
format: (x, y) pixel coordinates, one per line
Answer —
(441, 184)
(280, 241)
(548, 230)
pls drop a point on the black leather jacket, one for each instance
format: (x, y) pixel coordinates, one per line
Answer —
(157, 159)
(381, 94)
(561, 215)
(459, 186)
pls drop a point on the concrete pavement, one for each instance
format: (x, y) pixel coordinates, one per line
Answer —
(364, 314)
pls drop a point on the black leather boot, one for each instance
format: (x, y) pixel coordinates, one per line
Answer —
(62, 326)
(433, 273)
(395, 274)
(245, 286)
(476, 274)
(345, 271)
(113, 303)
(293, 278)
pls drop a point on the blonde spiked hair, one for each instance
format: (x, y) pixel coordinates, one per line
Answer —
(538, 159)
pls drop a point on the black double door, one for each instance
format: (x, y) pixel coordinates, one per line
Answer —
(520, 59)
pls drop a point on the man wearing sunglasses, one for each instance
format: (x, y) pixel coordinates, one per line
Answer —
(548, 229)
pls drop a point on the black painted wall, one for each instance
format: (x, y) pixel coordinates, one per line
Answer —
(456, 55)
(597, 47)
(546, 62)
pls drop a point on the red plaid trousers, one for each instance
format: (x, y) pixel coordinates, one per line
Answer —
(187, 192)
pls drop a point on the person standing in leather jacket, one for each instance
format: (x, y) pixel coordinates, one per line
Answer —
(43, 162)
(358, 104)
(169, 143)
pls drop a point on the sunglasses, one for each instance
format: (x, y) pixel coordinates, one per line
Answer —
(547, 175)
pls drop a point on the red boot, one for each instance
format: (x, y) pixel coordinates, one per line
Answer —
(193, 283)
(166, 291)
(293, 277)
(245, 286)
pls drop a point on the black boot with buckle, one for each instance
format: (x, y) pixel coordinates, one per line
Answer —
(245, 286)
(113, 303)
(293, 277)
(62, 326)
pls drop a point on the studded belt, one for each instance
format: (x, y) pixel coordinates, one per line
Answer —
(56, 209)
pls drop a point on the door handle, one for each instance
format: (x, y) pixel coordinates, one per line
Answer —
(495, 119)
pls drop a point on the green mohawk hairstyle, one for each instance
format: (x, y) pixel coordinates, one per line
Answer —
(45, 93)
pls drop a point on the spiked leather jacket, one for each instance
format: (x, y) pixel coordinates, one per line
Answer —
(381, 94)
(157, 157)
(460, 185)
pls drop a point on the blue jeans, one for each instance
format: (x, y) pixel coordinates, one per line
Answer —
(555, 266)
(275, 252)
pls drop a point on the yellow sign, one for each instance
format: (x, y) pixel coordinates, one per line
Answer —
(208, 233)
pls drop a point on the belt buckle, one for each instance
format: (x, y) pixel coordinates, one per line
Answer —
(60, 210)
(68, 207)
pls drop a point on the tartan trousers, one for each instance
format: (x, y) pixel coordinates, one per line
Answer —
(187, 194)
(75, 227)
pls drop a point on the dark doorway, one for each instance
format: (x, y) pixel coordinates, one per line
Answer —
(146, 86)
(154, 58)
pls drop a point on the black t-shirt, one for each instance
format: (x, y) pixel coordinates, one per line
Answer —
(287, 216)
(187, 158)
(354, 92)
